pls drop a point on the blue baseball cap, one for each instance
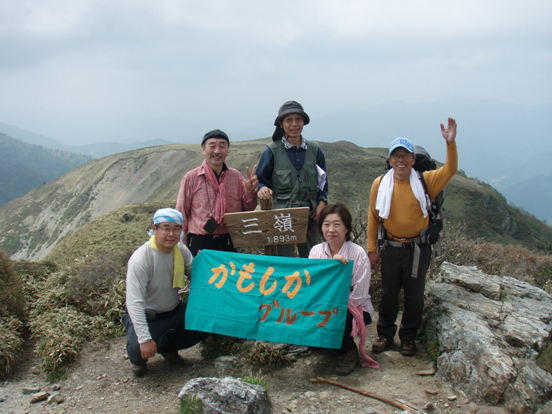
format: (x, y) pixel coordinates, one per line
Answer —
(401, 142)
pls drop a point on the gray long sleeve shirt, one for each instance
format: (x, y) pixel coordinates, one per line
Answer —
(149, 285)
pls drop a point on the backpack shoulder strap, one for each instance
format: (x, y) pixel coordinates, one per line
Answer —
(429, 201)
(422, 179)
(381, 230)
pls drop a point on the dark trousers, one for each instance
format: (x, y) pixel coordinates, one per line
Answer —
(168, 332)
(313, 238)
(197, 242)
(396, 271)
(348, 341)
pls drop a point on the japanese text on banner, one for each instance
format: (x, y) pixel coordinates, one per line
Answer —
(269, 298)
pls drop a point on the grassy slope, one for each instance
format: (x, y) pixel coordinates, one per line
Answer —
(351, 172)
(123, 229)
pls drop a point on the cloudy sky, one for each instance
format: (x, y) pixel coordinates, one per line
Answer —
(83, 71)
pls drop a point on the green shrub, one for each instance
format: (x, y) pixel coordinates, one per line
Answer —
(77, 304)
(12, 296)
(494, 258)
(548, 286)
(61, 334)
(191, 405)
(255, 381)
(432, 346)
(31, 275)
(220, 345)
(503, 294)
(12, 313)
(98, 285)
(263, 354)
(545, 357)
(258, 353)
(11, 343)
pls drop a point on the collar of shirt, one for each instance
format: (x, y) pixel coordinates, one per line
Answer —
(343, 251)
(202, 171)
(288, 145)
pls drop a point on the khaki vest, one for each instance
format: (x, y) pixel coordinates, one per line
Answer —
(294, 188)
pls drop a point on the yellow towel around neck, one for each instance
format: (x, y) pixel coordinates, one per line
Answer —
(179, 278)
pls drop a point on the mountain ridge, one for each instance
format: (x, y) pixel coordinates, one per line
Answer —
(32, 225)
(497, 139)
(25, 166)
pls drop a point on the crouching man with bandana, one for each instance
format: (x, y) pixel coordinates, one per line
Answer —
(398, 201)
(154, 315)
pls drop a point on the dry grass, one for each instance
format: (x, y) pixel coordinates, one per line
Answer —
(123, 229)
(11, 343)
(84, 299)
(460, 248)
(495, 258)
(80, 303)
(12, 313)
(264, 354)
(12, 296)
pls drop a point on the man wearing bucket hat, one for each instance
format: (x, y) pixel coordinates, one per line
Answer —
(211, 190)
(289, 170)
(397, 216)
(154, 315)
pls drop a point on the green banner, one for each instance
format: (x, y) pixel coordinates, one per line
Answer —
(270, 298)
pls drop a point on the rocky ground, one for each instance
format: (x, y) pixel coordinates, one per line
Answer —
(101, 382)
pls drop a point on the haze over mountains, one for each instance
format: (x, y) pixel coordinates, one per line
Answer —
(97, 150)
(504, 144)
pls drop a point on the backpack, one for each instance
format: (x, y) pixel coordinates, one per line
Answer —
(424, 162)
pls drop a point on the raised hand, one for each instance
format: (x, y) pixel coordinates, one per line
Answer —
(449, 133)
(252, 182)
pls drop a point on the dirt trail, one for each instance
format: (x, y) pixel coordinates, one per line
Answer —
(100, 381)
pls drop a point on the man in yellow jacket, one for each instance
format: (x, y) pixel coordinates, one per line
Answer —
(398, 203)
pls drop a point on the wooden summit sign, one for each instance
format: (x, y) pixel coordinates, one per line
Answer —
(268, 227)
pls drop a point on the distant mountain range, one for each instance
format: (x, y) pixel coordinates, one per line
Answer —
(498, 142)
(98, 150)
(535, 192)
(32, 225)
(24, 166)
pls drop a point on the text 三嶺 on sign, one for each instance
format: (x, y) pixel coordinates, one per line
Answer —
(268, 227)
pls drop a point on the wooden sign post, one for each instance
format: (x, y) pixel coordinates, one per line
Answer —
(269, 227)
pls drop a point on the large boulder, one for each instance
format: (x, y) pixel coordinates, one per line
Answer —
(490, 330)
(227, 396)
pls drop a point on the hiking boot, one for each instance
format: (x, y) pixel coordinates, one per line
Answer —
(408, 348)
(173, 359)
(347, 362)
(382, 344)
(139, 370)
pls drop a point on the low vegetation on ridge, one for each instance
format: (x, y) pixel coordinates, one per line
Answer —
(77, 294)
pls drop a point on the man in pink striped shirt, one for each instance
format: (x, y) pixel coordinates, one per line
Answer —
(211, 190)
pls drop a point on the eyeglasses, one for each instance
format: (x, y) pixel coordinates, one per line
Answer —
(297, 120)
(403, 155)
(168, 230)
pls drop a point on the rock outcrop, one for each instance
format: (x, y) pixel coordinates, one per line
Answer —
(227, 395)
(490, 331)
